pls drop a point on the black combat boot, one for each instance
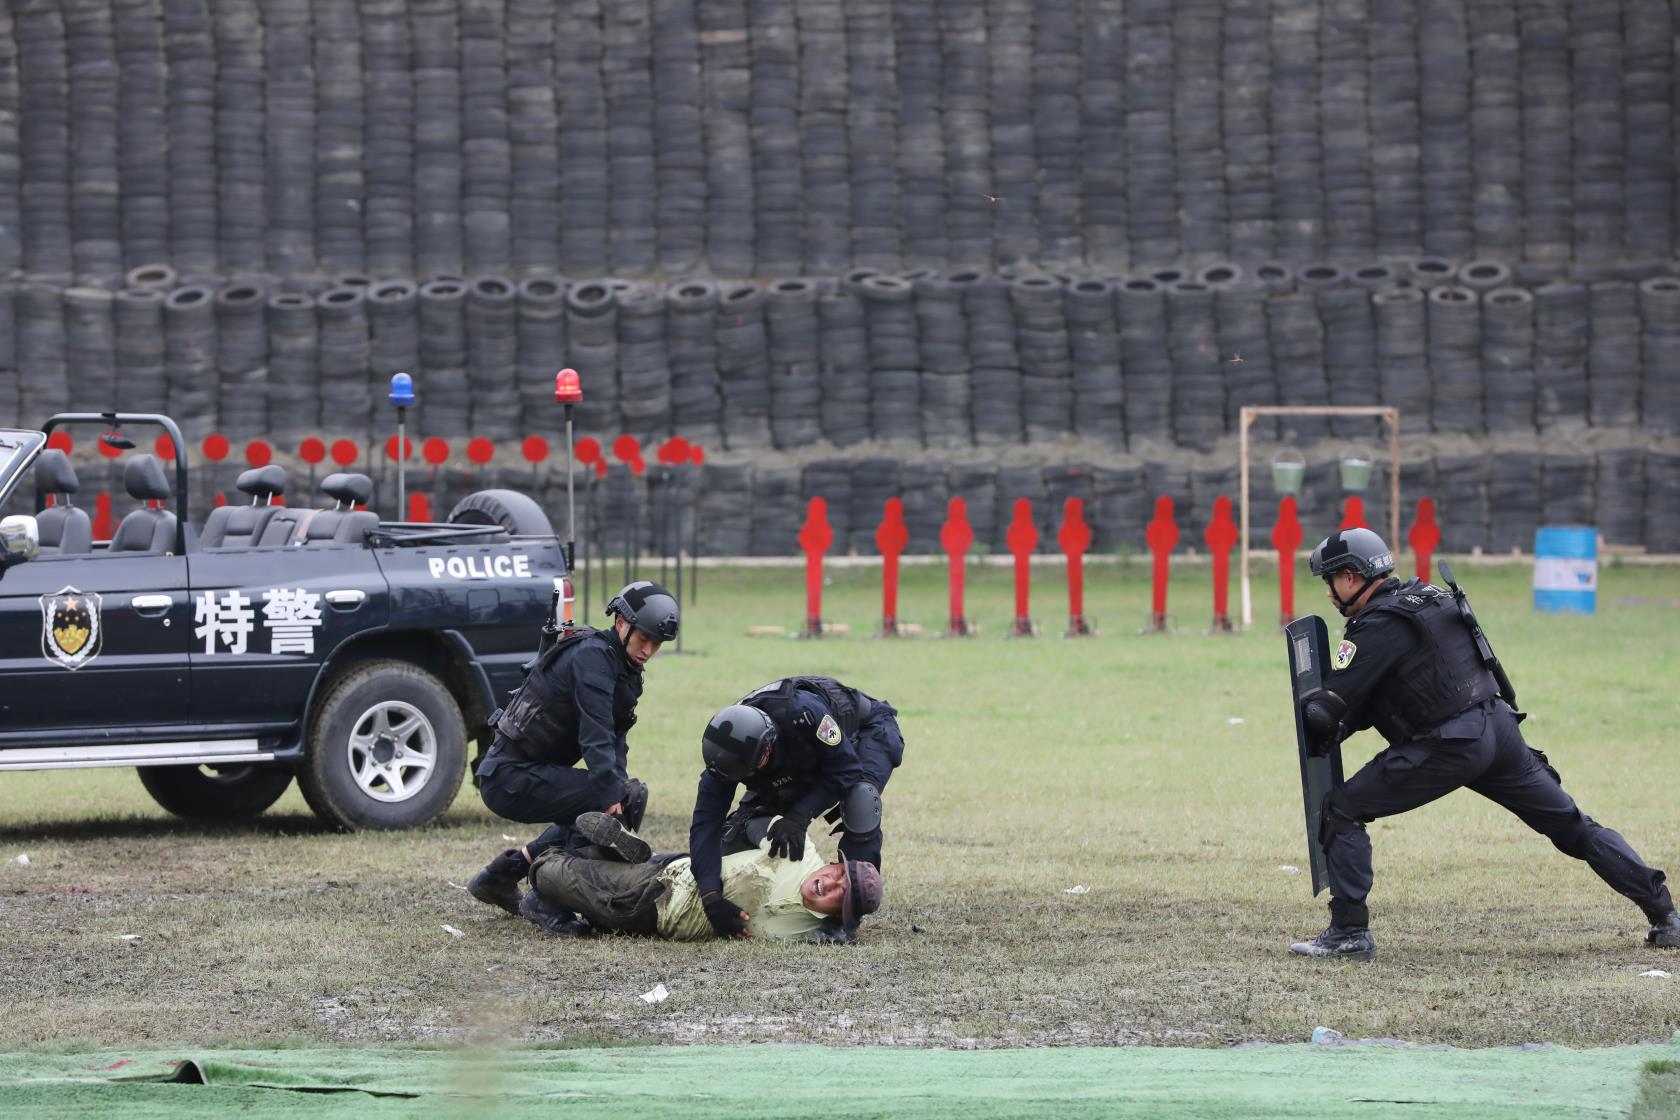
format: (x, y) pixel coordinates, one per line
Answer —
(498, 883)
(1666, 933)
(551, 918)
(606, 831)
(1353, 942)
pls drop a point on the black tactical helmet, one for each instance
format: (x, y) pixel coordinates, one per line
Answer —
(737, 742)
(649, 608)
(1354, 550)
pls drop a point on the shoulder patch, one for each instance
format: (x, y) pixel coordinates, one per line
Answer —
(1343, 657)
(828, 731)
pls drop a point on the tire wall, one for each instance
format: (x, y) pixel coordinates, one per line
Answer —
(934, 248)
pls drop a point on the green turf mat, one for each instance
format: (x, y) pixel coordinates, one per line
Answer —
(745, 1082)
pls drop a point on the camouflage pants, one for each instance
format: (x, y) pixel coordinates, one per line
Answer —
(612, 896)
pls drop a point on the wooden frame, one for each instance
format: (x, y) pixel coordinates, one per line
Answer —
(1387, 413)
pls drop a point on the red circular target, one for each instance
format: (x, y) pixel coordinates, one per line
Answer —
(344, 452)
(480, 450)
(215, 447)
(435, 450)
(258, 453)
(312, 450)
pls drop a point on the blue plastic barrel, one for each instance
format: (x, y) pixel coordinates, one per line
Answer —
(1566, 569)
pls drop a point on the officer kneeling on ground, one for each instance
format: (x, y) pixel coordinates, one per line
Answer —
(801, 746)
(619, 887)
(578, 702)
(1410, 666)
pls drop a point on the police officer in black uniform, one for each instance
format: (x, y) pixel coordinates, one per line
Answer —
(801, 746)
(1409, 666)
(577, 703)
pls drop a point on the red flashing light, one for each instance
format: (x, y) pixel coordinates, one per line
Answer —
(568, 389)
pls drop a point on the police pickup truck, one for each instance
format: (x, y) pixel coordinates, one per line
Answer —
(268, 641)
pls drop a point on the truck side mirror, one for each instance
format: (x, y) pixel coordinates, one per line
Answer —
(20, 540)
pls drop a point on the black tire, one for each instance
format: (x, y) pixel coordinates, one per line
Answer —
(517, 513)
(347, 784)
(215, 793)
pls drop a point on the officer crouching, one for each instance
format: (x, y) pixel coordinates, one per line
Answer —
(577, 703)
(1410, 666)
(802, 746)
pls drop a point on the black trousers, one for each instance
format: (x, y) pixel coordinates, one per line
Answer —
(613, 896)
(880, 747)
(1483, 750)
(537, 792)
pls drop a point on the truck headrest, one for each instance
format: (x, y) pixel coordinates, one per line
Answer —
(144, 479)
(263, 482)
(348, 489)
(54, 474)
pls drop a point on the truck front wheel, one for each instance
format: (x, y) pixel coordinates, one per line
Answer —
(215, 793)
(387, 748)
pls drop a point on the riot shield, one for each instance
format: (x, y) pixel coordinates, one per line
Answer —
(1321, 771)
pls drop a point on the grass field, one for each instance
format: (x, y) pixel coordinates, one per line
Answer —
(1157, 771)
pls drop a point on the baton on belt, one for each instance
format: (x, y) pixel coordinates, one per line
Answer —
(1507, 691)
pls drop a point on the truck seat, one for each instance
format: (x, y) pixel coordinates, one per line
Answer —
(242, 526)
(65, 530)
(147, 529)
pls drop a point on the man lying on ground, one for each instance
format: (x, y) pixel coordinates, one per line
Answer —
(617, 887)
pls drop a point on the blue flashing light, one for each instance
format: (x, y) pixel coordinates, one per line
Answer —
(402, 390)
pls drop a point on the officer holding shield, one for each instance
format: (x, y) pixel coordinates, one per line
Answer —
(1413, 664)
(802, 746)
(577, 703)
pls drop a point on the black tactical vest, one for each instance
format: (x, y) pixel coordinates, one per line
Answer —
(798, 758)
(1440, 676)
(848, 706)
(541, 722)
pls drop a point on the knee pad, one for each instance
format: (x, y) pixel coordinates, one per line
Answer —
(634, 804)
(1335, 817)
(860, 810)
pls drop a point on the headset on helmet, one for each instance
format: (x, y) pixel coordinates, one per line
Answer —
(737, 742)
(647, 607)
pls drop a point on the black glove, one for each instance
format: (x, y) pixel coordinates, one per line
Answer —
(1321, 716)
(727, 918)
(787, 836)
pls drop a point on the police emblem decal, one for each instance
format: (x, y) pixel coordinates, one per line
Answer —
(1343, 657)
(828, 731)
(71, 634)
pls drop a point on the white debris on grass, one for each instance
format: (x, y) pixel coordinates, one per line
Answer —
(452, 931)
(505, 836)
(23, 858)
(1323, 1035)
(1234, 720)
(658, 995)
(130, 937)
(1657, 972)
(1289, 869)
(1079, 889)
(457, 886)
